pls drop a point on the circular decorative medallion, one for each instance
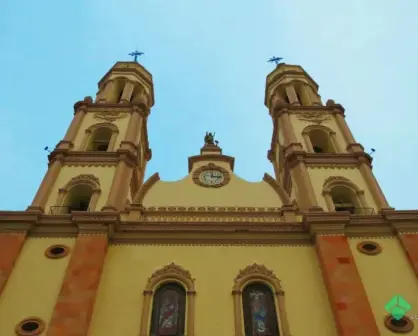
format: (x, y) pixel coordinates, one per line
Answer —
(30, 327)
(211, 176)
(403, 325)
(369, 247)
(57, 251)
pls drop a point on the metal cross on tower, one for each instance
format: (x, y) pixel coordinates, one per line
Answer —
(135, 55)
(275, 60)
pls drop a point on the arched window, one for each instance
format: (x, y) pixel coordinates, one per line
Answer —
(320, 139)
(165, 298)
(260, 316)
(321, 142)
(259, 300)
(168, 311)
(80, 194)
(344, 199)
(100, 140)
(100, 137)
(343, 195)
(78, 198)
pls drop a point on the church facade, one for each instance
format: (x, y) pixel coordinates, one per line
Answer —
(313, 250)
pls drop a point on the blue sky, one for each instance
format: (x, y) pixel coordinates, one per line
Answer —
(208, 60)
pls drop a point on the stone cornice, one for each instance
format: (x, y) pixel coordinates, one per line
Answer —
(211, 157)
(300, 109)
(121, 108)
(403, 221)
(128, 67)
(292, 158)
(80, 158)
(246, 225)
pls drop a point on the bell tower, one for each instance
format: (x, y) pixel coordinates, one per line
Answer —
(100, 162)
(313, 152)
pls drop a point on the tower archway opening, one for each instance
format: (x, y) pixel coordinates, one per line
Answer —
(118, 91)
(345, 199)
(136, 94)
(78, 198)
(100, 140)
(321, 142)
(301, 94)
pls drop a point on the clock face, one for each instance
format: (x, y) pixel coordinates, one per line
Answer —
(211, 177)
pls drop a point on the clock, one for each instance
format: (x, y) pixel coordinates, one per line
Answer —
(211, 176)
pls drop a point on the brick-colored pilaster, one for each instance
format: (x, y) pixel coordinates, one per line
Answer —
(352, 312)
(74, 307)
(10, 247)
(409, 242)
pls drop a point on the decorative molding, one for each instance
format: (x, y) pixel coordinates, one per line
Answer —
(322, 160)
(212, 209)
(213, 219)
(211, 166)
(325, 223)
(239, 226)
(211, 157)
(108, 125)
(336, 179)
(84, 178)
(331, 166)
(110, 116)
(93, 159)
(168, 272)
(98, 164)
(315, 117)
(255, 269)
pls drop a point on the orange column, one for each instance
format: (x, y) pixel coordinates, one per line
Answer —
(409, 242)
(350, 305)
(10, 246)
(74, 306)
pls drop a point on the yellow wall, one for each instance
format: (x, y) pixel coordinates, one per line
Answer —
(319, 175)
(237, 193)
(119, 303)
(104, 174)
(385, 275)
(88, 121)
(34, 284)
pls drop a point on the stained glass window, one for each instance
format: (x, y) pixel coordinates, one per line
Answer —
(168, 311)
(260, 318)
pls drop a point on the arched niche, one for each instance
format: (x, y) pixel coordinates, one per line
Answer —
(258, 274)
(81, 193)
(320, 139)
(343, 195)
(166, 276)
(100, 137)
